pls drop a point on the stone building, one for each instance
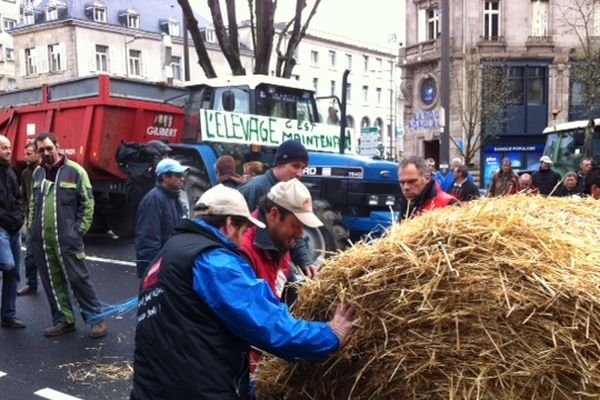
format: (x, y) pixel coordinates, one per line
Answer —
(9, 18)
(529, 39)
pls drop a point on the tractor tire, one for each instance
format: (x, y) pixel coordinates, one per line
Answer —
(195, 185)
(332, 236)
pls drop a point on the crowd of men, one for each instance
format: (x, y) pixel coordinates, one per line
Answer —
(213, 277)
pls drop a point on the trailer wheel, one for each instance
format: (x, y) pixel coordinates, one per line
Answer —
(332, 236)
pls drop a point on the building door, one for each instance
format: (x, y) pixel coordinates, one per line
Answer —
(431, 148)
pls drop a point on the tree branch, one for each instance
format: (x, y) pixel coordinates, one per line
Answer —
(201, 52)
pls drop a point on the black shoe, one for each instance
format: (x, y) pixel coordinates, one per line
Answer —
(14, 323)
(26, 291)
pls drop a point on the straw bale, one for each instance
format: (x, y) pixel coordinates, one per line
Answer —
(496, 299)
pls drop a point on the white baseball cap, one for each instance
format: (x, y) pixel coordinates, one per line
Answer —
(546, 159)
(221, 200)
(295, 197)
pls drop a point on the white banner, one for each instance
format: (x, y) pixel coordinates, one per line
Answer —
(227, 127)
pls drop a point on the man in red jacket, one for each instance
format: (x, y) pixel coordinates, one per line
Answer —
(285, 209)
(419, 192)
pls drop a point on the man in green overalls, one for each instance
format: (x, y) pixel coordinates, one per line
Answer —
(60, 213)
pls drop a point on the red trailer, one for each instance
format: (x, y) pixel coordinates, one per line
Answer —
(91, 117)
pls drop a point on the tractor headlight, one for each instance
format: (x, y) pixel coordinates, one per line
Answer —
(373, 200)
(390, 201)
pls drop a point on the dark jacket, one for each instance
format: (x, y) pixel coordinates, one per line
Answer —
(182, 350)
(12, 213)
(431, 198)
(157, 215)
(545, 180)
(562, 191)
(466, 192)
(258, 187)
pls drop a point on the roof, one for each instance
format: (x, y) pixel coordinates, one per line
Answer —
(566, 126)
(151, 11)
(252, 81)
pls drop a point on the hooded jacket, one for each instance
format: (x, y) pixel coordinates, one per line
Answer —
(12, 212)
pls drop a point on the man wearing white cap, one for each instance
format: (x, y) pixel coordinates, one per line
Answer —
(202, 306)
(158, 212)
(545, 179)
(285, 210)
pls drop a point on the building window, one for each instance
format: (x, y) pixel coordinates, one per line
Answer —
(9, 54)
(51, 13)
(331, 58)
(28, 18)
(379, 64)
(314, 57)
(135, 63)
(210, 36)
(491, 17)
(348, 92)
(55, 58)
(316, 85)
(515, 85)
(12, 84)
(174, 29)
(101, 58)
(133, 20)
(536, 85)
(99, 11)
(433, 23)
(378, 95)
(176, 67)
(349, 61)
(9, 23)
(332, 88)
(539, 18)
(366, 64)
(365, 94)
(30, 62)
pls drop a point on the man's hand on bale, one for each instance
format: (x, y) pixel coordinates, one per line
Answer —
(311, 270)
(341, 323)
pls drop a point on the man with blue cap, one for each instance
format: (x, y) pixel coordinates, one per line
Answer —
(158, 212)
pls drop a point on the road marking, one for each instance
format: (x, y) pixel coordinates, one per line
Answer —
(2, 374)
(52, 394)
(103, 260)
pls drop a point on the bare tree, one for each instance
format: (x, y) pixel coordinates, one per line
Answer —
(192, 26)
(262, 30)
(286, 61)
(579, 20)
(480, 101)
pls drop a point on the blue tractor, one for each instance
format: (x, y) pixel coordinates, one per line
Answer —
(249, 116)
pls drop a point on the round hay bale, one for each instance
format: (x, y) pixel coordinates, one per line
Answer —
(496, 299)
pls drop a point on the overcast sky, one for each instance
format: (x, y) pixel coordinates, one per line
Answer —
(370, 21)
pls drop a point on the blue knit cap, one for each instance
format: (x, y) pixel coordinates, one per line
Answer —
(290, 151)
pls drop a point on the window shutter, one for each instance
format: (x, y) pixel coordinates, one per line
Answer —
(143, 69)
(62, 51)
(41, 59)
(422, 26)
(23, 63)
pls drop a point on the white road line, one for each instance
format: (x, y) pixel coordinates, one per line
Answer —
(52, 394)
(104, 260)
(2, 374)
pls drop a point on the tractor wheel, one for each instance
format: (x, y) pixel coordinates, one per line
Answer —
(195, 185)
(332, 236)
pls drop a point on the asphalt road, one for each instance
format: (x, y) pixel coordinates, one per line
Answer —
(73, 364)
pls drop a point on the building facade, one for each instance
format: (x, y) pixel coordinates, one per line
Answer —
(9, 18)
(530, 40)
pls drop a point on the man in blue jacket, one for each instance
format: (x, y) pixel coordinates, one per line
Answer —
(158, 212)
(202, 306)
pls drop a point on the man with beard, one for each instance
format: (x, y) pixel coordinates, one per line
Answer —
(60, 213)
(419, 193)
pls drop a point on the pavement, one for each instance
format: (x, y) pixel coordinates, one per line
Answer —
(73, 366)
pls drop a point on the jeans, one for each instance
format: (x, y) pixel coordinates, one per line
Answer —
(10, 253)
